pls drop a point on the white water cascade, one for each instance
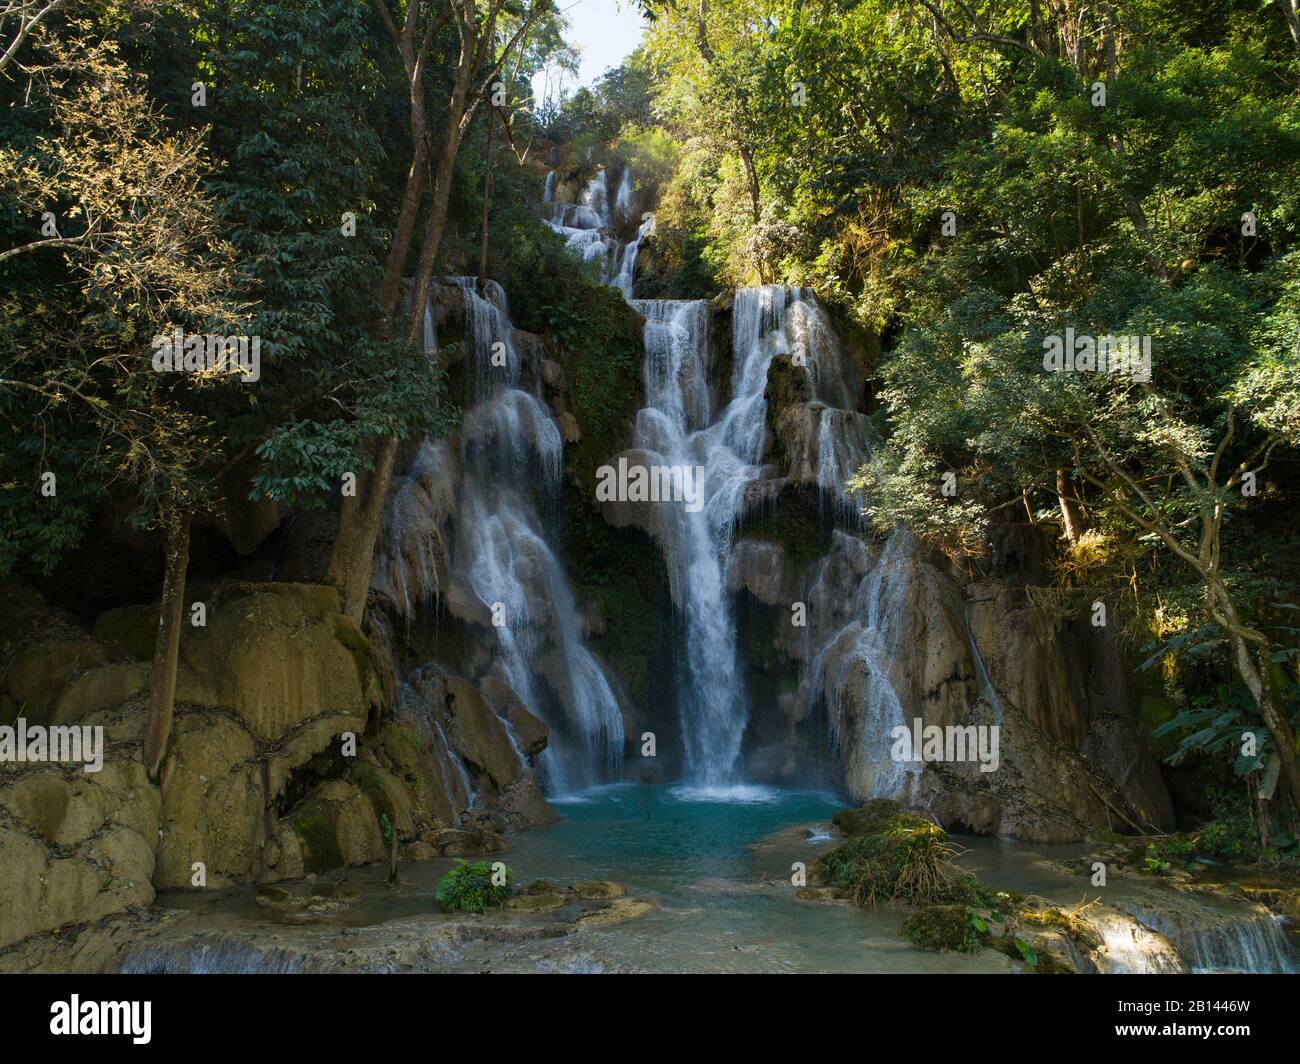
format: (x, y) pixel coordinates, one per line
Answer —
(678, 428)
(585, 226)
(682, 428)
(506, 455)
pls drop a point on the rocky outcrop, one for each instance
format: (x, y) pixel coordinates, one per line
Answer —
(292, 752)
(76, 846)
(882, 636)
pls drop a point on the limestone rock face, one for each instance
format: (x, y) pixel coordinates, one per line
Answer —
(292, 751)
(297, 656)
(893, 639)
(38, 676)
(411, 561)
(75, 846)
(478, 735)
(486, 736)
(530, 733)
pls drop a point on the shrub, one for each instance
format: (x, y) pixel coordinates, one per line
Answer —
(907, 857)
(469, 888)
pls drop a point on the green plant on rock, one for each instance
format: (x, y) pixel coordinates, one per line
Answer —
(907, 858)
(1162, 856)
(472, 887)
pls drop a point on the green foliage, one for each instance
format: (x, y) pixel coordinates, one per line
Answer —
(905, 858)
(469, 888)
(1162, 856)
(303, 142)
(1027, 952)
(621, 97)
(1233, 835)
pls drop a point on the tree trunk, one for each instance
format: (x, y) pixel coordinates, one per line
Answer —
(1253, 672)
(487, 200)
(751, 179)
(162, 676)
(1069, 508)
(390, 291)
(457, 108)
(354, 544)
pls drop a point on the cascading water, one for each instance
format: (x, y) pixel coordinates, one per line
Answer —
(673, 429)
(509, 453)
(677, 429)
(585, 226)
(858, 634)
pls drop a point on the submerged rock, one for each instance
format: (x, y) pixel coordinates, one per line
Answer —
(598, 889)
(619, 911)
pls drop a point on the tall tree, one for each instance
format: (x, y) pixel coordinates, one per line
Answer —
(487, 32)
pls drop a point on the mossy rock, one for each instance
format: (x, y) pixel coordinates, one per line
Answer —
(314, 823)
(1078, 931)
(941, 927)
(536, 902)
(1046, 961)
(598, 889)
(905, 857)
(866, 819)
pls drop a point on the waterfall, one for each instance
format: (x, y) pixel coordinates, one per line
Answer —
(484, 483)
(678, 429)
(585, 227)
(628, 256)
(1129, 948)
(857, 629)
(623, 198)
(672, 429)
(1215, 936)
(511, 451)
(490, 335)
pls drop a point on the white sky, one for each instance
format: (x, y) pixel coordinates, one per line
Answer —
(604, 32)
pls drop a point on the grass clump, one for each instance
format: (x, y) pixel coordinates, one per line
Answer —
(472, 887)
(905, 858)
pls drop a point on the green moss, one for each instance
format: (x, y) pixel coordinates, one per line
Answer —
(314, 823)
(866, 819)
(904, 857)
(942, 927)
(368, 779)
(598, 337)
(1045, 961)
(624, 571)
(364, 653)
(796, 523)
(1158, 709)
(1080, 932)
(322, 766)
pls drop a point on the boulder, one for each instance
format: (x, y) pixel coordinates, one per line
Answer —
(478, 735)
(298, 657)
